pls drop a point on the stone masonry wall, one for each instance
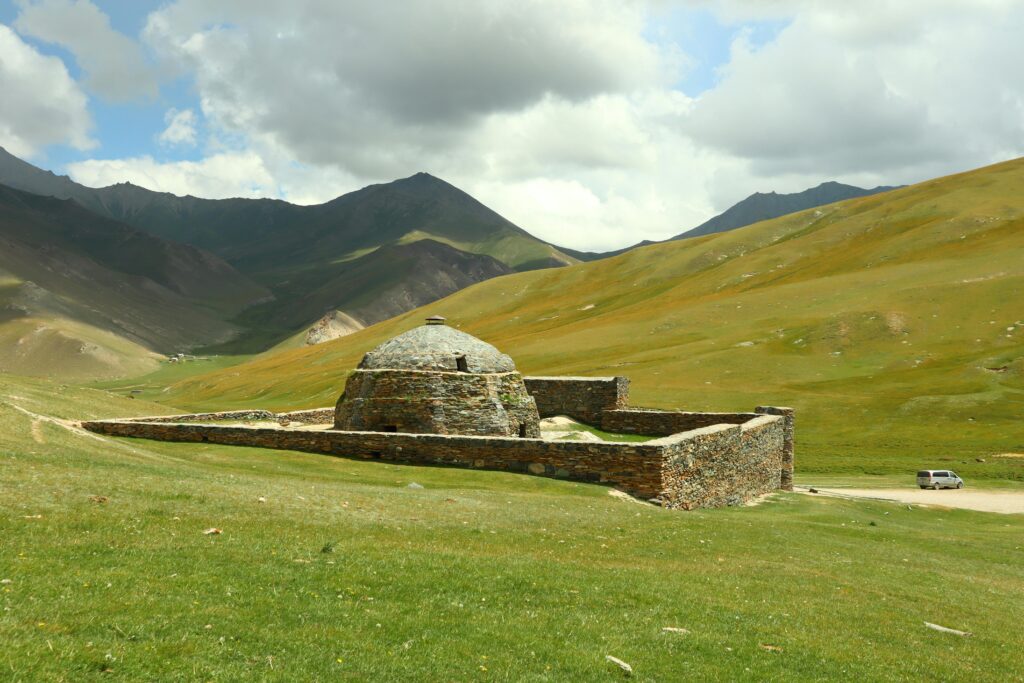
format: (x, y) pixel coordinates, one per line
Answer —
(789, 415)
(224, 416)
(665, 422)
(723, 464)
(314, 416)
(634, 468)
(581, 398)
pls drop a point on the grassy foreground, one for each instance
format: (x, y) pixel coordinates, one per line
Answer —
(107, 574)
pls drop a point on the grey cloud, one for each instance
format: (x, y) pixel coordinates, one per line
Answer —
(332, 80)
(837, 94)
(114, 65)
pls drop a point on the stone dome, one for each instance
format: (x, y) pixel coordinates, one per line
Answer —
(437, 380)
(437, 347)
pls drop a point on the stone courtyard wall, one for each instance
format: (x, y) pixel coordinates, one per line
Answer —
(713, 466)
(789, 415)
(581, 398)
(664, 422)
(309, 417)
(723, 464)
(223, 416)
(635, 468)
(315, 416)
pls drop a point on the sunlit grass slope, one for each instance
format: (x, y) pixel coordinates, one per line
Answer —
(107, 574)
(69, 350)
(893, 323)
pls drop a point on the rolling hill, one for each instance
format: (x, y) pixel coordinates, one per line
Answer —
(82, 295)
(891, 322)
(760, 206)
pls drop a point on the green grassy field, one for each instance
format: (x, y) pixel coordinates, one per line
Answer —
(892, 323)
(153, 386)
(107, 574)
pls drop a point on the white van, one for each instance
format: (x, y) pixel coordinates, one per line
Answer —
(939, 479)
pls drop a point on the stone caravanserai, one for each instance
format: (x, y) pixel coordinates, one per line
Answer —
(435, 395)
(435, 379)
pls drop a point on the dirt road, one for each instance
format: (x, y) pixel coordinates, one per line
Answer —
(1006, 502)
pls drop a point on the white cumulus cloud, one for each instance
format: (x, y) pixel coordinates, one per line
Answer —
(216, 177)
(29, 121)
(181, 128)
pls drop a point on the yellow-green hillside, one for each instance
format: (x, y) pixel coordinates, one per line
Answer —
(69, 350)
(893, 323)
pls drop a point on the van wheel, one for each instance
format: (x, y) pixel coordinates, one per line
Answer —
(959, 484)
(937, 487)
(923, 486)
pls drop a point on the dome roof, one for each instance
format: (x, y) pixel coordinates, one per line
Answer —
(437, 347)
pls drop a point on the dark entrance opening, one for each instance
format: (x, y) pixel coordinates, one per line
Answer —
(389, 428)
(522, 431)
(461, 364)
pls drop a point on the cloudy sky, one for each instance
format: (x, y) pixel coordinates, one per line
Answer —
(591, 123)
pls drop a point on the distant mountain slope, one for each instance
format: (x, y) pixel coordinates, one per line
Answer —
(267, 235)
(298, 250)
(61, 262)
(193, 273)
(757, 207)
(893, 323)
(762, 206)
(383, 283)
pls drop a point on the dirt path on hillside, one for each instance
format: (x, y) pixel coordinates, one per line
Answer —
(1006, 502)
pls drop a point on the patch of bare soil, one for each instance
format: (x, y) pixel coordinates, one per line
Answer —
(1004, 502)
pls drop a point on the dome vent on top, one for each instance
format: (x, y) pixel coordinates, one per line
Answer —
(437, 347)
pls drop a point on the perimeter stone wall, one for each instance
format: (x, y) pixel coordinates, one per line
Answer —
(581, 398)
(665, 422)
(789, 415)
(314, 416)
(635, 468)
(223, 416)
(722, 464)
(311, 417)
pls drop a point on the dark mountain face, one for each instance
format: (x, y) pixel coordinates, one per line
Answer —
(387, 282)
(763, 206)
(65, 261)
(193, 273)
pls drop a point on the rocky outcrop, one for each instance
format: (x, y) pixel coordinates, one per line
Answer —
(334, 325)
